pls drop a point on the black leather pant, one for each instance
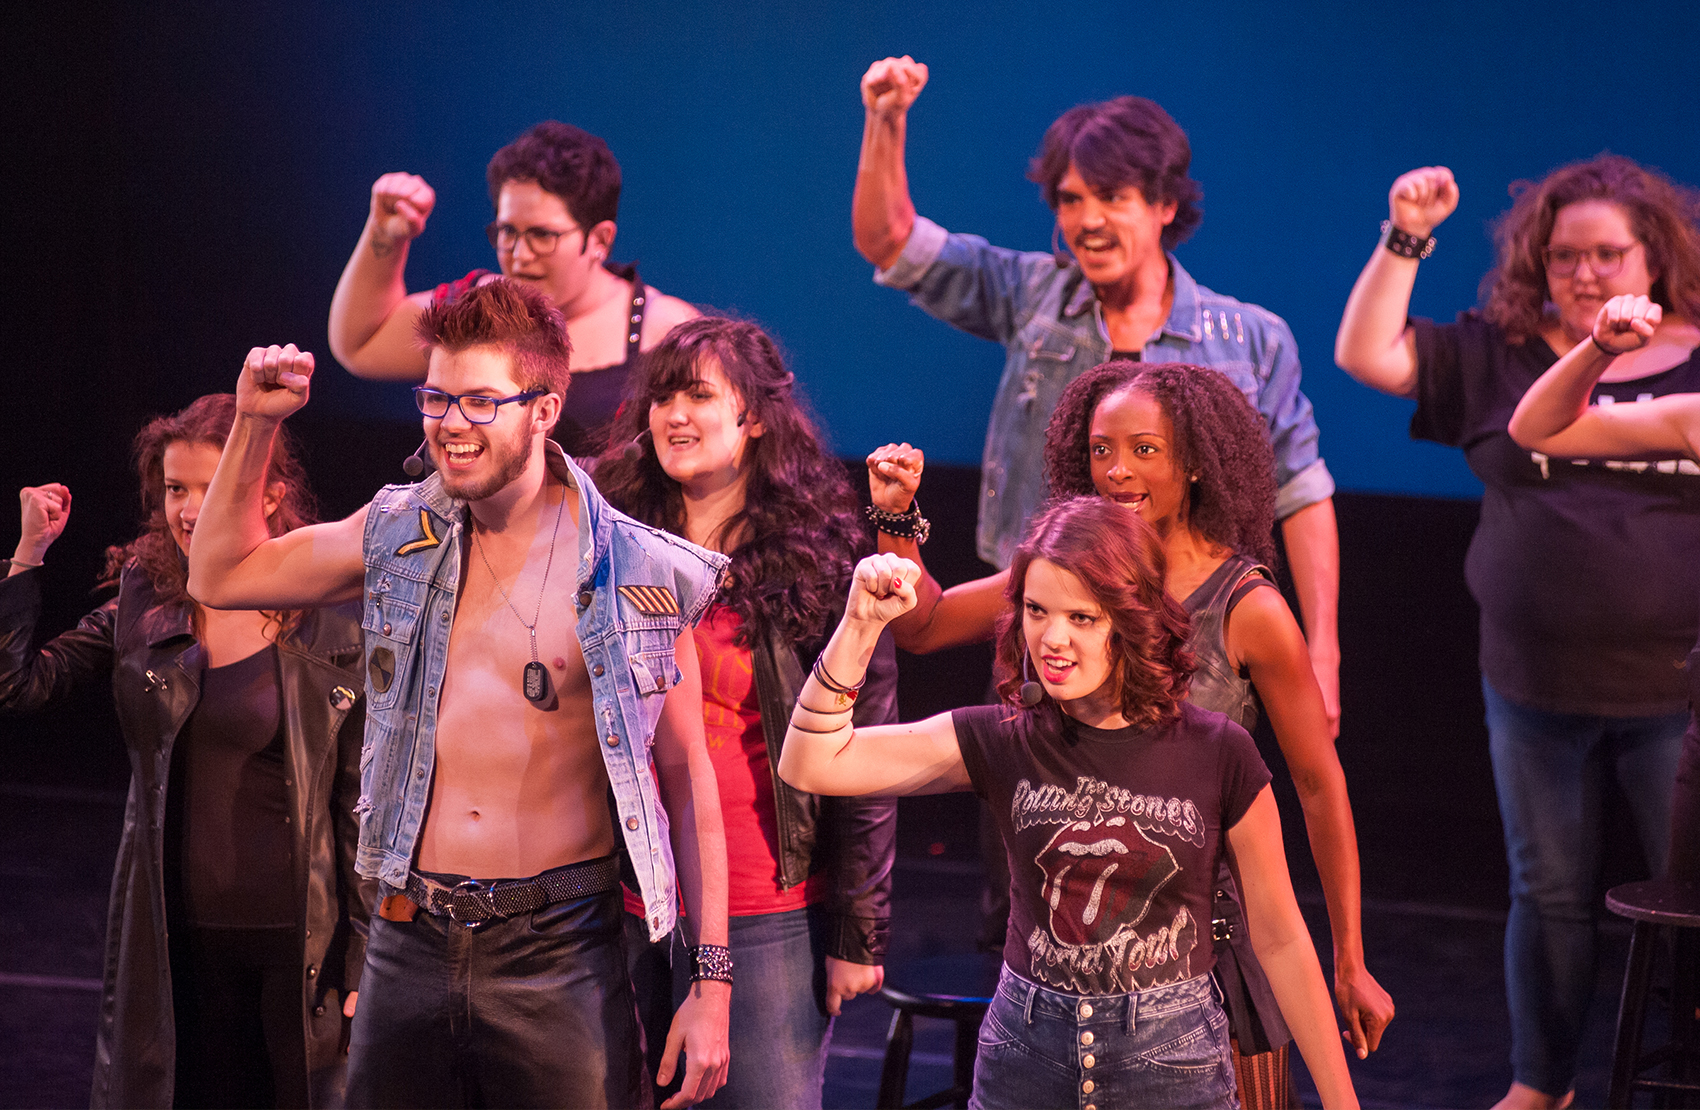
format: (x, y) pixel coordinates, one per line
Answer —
(534, 1010)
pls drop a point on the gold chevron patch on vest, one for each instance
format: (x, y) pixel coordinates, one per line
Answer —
(424, 542)
(652, 601)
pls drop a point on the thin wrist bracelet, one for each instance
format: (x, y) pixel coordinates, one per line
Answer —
(1404, 244)
(21, 563)
(710, 961)
(833, 684)
(1605, 350)
(905, 526)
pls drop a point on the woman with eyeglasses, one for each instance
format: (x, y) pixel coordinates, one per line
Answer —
(1583, 568)
(556, 190)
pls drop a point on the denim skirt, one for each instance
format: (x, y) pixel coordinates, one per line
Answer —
(1166, 1046)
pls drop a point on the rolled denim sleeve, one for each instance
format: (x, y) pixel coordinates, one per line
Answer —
(966, 282)
(1301, 475)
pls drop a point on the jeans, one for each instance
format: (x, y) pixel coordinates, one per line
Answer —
(1165, 1046)
(1550, 771)
(531, 1010)
(779, 1025)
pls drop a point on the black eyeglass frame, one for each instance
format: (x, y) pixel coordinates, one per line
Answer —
(493, 232)
(422, 392)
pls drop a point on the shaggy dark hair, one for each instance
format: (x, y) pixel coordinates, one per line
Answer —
(1126, 141)
(514, 319)
(1218, 436)
(1665, 217)
(207, 420)
(795, 542)
(565, 160)
(1119, 559)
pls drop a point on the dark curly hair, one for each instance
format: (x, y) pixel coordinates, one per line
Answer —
(1126, 141)
(565, 160)
(1119, 559)
(1219, 438)
(1665, 217)
(795, 542)
(207, 420)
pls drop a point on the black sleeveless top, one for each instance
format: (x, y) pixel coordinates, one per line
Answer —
(596, 394)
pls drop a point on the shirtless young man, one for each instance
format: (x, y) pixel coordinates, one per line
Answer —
(508, 697)
(556, 189)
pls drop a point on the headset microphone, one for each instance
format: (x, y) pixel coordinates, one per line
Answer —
(1031, 693)
(633, 451)
(415, 464)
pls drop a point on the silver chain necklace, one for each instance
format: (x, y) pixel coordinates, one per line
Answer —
(535, 680)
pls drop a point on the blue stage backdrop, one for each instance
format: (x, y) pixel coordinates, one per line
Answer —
(224, 154)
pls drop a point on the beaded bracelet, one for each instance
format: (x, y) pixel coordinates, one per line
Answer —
(710, 961)
(1404, 244)
(905, 526)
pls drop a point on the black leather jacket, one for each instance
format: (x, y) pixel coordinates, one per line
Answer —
(148, 652)
(853, 839)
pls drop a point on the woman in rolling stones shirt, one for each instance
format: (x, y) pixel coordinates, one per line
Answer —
(1116, 800)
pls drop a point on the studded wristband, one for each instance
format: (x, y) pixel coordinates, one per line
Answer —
(905, 526)
(711, 961)
(1404, 244)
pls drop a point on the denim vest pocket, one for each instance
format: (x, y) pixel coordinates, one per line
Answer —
(390, 624)
(655, 670)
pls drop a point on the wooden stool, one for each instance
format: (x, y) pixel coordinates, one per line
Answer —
(975, 978)
(1652, 905)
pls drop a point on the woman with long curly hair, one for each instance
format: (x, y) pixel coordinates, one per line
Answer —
(720, 450)
(236, 932)
(1117, 801)
(1582, 569)
(1181, 446)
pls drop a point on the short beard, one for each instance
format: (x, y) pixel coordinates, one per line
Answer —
(511, 458)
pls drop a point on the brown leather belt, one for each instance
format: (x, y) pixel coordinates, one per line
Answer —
(473, 903)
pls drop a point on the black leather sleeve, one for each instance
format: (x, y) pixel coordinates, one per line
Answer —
(359, 893)
(858, 837)
(30, 680)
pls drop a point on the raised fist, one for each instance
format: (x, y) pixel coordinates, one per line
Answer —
(1626, 323)
(274, 381)
(401, 203)
(894, 476)
(882, 589)
(1421, 199)
(892, 84)
(45, 511)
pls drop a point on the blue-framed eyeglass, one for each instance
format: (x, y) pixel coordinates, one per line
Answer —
(477, 408)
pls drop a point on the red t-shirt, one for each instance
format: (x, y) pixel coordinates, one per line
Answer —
(736, 746)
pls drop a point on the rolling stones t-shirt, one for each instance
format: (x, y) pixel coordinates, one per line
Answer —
(1113, 837)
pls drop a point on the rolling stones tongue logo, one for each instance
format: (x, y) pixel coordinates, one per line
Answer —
(1101, 878)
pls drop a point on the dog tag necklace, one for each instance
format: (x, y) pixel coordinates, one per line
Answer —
(536, 676)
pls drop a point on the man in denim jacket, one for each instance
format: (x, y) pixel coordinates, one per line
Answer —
(1116, 175)
(509, 700)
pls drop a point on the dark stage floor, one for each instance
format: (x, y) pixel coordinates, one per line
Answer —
(1447, 1048)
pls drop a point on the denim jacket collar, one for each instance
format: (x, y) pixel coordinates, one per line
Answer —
(1185, 314)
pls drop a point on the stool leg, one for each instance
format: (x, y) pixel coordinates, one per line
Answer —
(1631, 1013)
(1682, 994)
(894, 1072)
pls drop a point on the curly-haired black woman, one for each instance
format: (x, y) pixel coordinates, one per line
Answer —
(727, 457)
(1181, 447)
(1584, 572)
(237, 928)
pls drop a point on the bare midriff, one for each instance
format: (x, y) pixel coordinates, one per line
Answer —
(518, 788)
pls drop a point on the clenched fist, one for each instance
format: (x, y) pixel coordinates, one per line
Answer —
(894, 476)
(401, 203)
(274, 381)
(1421, 199)
(882, 589)
(45, 511)
(892, 84)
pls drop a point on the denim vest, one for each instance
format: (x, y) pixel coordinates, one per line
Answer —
(1052, 329)
(413, 561)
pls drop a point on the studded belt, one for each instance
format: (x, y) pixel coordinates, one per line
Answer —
(473, 903)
